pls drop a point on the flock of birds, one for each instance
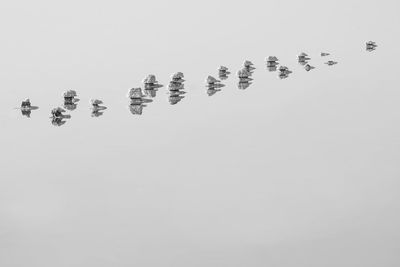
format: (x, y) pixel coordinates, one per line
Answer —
(138, 99)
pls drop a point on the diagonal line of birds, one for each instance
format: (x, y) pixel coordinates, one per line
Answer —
(176, 89)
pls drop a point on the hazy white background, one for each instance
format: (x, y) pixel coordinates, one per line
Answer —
(296, 172)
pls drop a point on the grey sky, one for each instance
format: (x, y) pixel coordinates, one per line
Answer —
(296, 172)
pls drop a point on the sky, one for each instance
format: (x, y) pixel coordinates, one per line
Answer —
(295, 172)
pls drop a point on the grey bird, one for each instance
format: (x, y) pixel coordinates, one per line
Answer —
(331, 63)
(57, 112)
(26, 104)
(308, 67)
(271, 59)
(177, 77)
(243, 73)
(135, 93)
(222, 69)
(247, 64)
(211, 80)
(95, 102)
(96, 107)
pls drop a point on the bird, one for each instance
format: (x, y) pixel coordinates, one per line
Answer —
(135, 93)
(177, 77)
(308, 67)
(331, 63)
(211, 80)
(57, 112)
